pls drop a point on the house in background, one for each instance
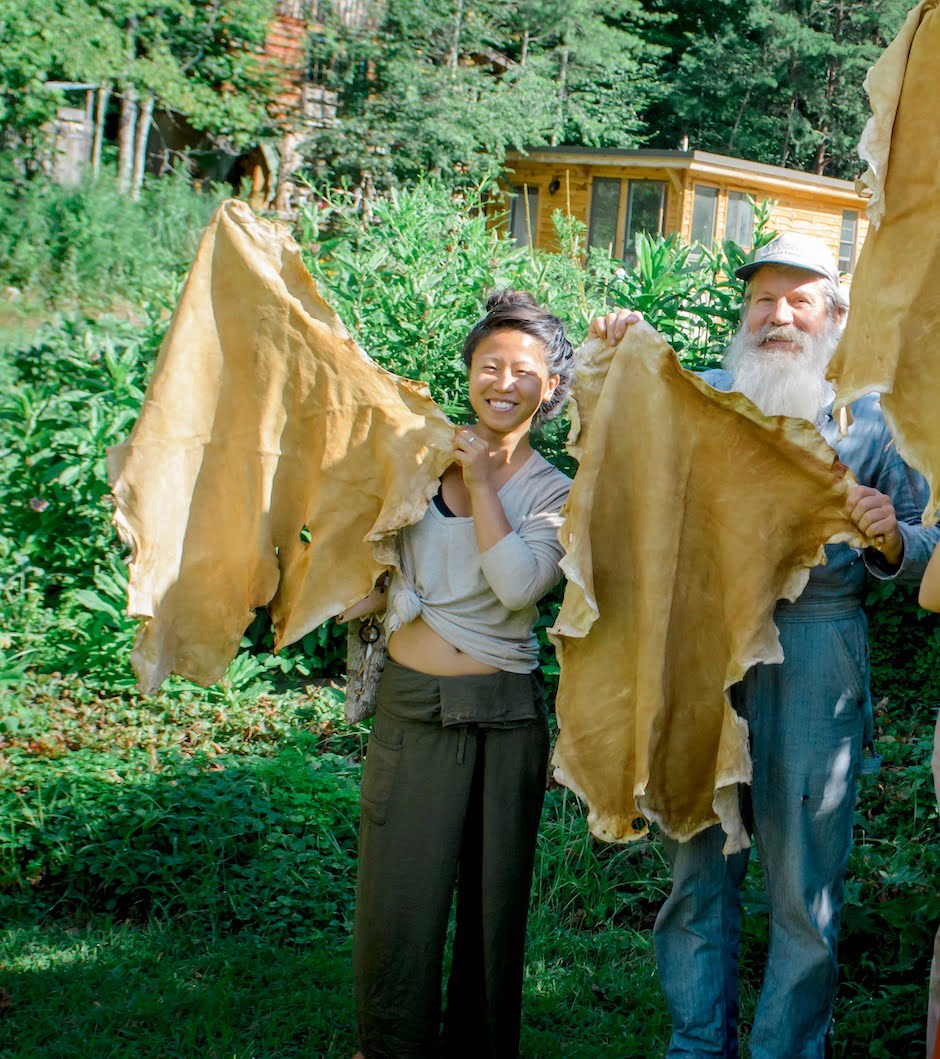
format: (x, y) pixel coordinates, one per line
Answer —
(702, 196)
(71, 133)
(299, 105)
(161, 139)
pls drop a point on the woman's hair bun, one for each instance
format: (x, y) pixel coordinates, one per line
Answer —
(517, 310)
(510, 296)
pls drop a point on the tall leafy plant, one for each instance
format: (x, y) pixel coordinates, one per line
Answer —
(409, 283)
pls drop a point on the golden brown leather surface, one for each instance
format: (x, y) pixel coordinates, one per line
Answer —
(891, 343)
(262, 417)
(690, 515)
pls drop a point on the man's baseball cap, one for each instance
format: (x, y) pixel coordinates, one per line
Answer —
(797, 251)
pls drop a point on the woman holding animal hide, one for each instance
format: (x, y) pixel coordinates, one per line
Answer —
(454, 777)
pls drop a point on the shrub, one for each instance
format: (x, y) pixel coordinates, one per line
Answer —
(62, 583)
(263, 845)
(92, 246)
(409, 285)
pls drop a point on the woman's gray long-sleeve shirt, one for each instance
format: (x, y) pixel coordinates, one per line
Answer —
(484, 603)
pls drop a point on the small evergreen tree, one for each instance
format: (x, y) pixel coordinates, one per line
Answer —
(778, 81)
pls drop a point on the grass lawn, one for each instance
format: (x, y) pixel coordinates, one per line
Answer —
(177, 874)
(178, 879)
(119, 990)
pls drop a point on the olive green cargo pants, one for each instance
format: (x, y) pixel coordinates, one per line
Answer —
(444, 805)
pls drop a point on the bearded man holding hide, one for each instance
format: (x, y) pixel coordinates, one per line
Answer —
(810, 718)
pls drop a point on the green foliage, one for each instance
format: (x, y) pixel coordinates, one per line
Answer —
(896, 860)
(446, 87)
(201, 66)
(145, 808)
(45, 40)
(200, 846)
(903, 640)
(777, 81)
(92, 246)
(268, 848)
(59, 567)
(603, 64)
(411, 283)
(421, 118)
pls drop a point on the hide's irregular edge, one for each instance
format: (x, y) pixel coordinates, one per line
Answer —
(153, 669)
(577, 567)
(883, 83)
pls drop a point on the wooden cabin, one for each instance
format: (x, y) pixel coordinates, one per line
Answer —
(71, 133)
(702, 196)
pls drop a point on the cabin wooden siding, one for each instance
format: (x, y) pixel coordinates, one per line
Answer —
(799, 205)
(574, 193)
(824, 220)
(285, 46)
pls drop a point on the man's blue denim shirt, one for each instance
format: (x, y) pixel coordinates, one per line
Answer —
(868, 450)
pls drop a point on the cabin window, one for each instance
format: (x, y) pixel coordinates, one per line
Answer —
(704, 209)
(605, 206)
(646, 212)
(847, 240)
(739, 226)
(522, 222)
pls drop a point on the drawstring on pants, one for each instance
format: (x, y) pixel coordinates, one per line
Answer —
(462, 743)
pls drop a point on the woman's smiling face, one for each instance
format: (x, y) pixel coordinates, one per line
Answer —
(508, 380)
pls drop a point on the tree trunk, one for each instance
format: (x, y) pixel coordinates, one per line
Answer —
(454, 56)
(562, 93)
(832, 80)
(140, 146)
(740, 115)
(785, 152)
(819, 163)
(128, 123)
(101, 112)
(126, 137)
(368, 195)
(525, 48)
(289, 162)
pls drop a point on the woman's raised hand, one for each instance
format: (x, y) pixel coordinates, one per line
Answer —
(613, 326)
(369, 604)
(473, 455)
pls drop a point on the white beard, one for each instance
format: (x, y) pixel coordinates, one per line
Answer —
(783, 383)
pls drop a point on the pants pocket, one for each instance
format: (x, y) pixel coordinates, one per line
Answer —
(852, 641)
(378, 777)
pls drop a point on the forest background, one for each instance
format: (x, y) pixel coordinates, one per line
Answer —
(447, 86)
(177, 872)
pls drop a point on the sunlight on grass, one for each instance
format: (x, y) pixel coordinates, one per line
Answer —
(177, 873)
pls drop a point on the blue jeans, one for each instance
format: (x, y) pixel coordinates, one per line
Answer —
(807, 717)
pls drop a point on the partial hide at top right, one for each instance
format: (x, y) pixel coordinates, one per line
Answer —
(891, 343)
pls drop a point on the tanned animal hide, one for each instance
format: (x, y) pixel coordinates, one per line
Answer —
(690, 516)
(891, 343)
(272, 464)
